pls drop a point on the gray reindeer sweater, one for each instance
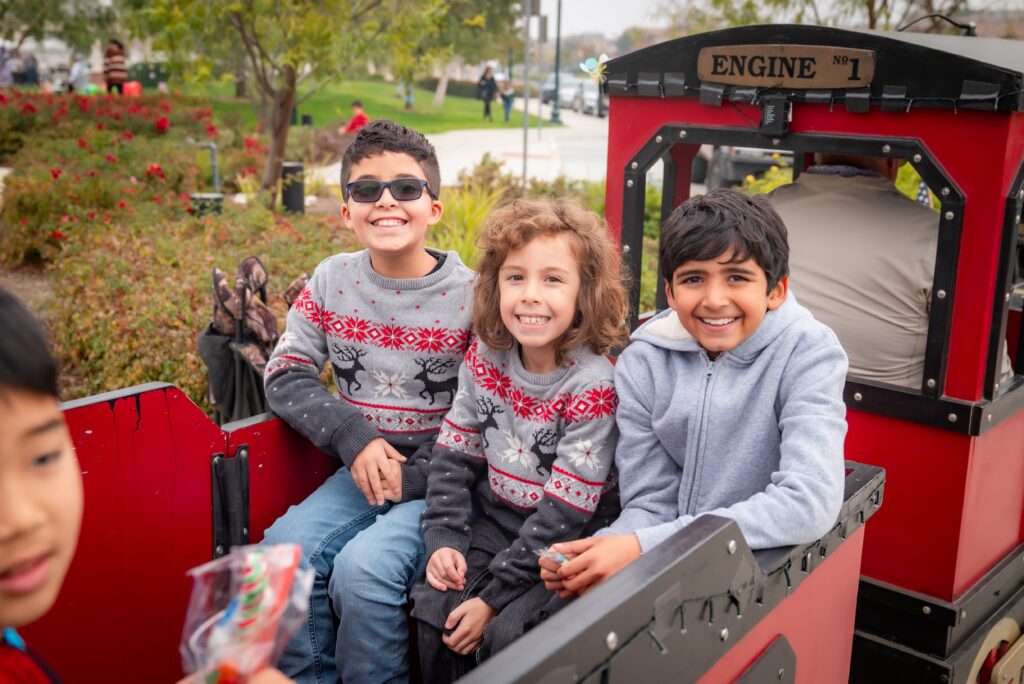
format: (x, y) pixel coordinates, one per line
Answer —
(532, 454)
(395, 347)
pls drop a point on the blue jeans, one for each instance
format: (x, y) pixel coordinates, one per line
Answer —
(366, 559)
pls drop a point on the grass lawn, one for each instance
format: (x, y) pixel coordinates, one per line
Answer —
(332, 104)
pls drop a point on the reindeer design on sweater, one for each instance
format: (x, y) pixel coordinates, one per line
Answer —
(486, 407)
(435, 366)
(544, 438)
(349, 355)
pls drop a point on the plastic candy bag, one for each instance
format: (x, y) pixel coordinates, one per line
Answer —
(244, 608)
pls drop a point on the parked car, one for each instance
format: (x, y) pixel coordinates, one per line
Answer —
(547, 91)
(593, 101)
(570, 94)
(724, 167)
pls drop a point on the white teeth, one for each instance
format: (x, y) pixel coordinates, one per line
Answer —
(718, 321)
(389, 223)
(533, 320)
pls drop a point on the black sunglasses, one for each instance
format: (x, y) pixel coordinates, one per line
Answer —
(402, 189)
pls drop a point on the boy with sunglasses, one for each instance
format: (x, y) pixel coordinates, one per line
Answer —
(394, 321)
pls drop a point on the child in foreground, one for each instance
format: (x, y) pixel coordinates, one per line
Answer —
(524, 457)
(731, 400)
(394, 322)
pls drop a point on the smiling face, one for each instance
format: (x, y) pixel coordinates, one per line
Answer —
(539, 284)
(394, 232)
(721, 303)
(40, 504)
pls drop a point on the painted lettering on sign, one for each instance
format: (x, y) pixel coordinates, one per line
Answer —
(786, 66)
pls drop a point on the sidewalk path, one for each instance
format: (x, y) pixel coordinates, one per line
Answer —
(577, 149)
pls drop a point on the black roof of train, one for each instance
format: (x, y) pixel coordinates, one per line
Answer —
(912, 69)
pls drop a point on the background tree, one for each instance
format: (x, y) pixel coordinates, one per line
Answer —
(292, 47)
(78, 22)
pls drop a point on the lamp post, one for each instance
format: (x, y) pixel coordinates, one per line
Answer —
(555, 118)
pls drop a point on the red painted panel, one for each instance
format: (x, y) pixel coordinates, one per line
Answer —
(284, 467)
(145, 459)
(994, 505)
(984, 180)
(817, 620)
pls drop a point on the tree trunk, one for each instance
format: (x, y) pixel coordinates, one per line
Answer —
(280, 122)
(239, 76)
(442, 83)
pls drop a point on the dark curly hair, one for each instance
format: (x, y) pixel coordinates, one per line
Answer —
(384, 135)
(601, 306)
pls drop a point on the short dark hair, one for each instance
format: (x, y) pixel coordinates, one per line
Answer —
(384, 135)
(25, 359)
(357, 103)
(707, 226)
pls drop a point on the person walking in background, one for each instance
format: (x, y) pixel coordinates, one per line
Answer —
(114, 69)
(78, 79)
(31, 70)
(508, 96)
(486, 89)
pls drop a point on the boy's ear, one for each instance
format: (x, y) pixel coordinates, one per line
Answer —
(436, 212)
(346, 215)
(777, 295)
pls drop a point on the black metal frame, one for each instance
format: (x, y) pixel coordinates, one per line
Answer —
(1004, 287)
(674, 612)
(229, 481)
(928, 407)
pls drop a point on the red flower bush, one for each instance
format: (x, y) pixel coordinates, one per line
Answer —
(55, 173)
(111, 158)
(162, 124)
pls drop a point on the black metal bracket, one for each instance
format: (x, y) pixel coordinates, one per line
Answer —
(776, 664)
(230, 485)
(675, 611)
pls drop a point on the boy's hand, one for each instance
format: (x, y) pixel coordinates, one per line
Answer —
(597, 559)
(552, 580)
(468, 621)
(391, 494)
(446, 570)
(368, 466)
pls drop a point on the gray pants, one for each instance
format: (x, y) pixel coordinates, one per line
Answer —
(441, 665)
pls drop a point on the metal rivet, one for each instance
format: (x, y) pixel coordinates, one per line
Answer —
(887, 148)
(951, 417)
(948, 215)
(1021, 194)
(625, 249)
(944, 192)
(988, 418)
(629, 183)
(941, 294)
(245, 531)
(775, 141)
(259, 467)
(731, 546)
(682, 134)
(219, 551)
(634, 165)
(724, 634)
(1017, 218)
(917, 157)
(1006, 297)
(963, 614)
(931, 382)
(657, 139)
(927, 610)
(611, 641)
(857, 396)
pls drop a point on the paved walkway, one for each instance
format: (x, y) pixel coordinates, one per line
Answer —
(577, 149)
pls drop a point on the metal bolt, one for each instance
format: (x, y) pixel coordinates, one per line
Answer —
(259, 467)
(1017, 218)
(941, 294)
(657, 139)
(1021, 194)
(1006, 297)
(775, 141)
(731, 546)
(948, 215)
(963, 614)
(782, 671)
(724, 634)
(682, 134)
(629, 183)
(634, 165)
(931, 382)
(611, 641)
(245, 531)
(951, 417)
(927, 610)
(988, 418)
(887, 148)
(917, 157)
(219, 551)
(857, 396)
(944, 192)
(625, 249)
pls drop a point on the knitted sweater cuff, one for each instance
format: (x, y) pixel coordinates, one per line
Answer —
(435, 538)
(414, 482)
(498, 594)
(351, 437)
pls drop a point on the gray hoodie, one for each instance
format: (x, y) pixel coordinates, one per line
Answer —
(756, 435)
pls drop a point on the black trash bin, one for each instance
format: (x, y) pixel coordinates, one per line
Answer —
(307, 119)
(293, 189)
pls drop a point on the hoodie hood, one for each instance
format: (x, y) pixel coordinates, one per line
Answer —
(665, 330)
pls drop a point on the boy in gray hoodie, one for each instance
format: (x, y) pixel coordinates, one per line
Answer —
(731, 401)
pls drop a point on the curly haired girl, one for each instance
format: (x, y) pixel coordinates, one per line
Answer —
(524, 457)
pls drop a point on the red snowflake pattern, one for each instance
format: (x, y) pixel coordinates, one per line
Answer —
(390, 336)
(355, 329)
(430, 339)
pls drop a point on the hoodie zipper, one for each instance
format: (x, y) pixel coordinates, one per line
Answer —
(705, 400)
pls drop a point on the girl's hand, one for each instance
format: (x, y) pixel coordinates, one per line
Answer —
(392, 471)
(468, 621)
(552, 580)
(368, 466)
(597, 559)
(446, 570)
